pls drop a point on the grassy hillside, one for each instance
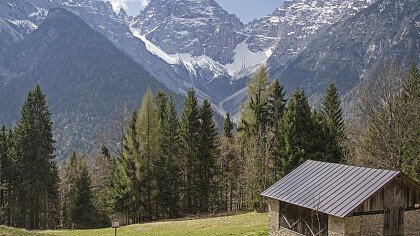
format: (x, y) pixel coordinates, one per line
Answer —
(7, 231)
(255, 224)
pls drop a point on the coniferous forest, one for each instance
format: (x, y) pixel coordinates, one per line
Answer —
(165, 163)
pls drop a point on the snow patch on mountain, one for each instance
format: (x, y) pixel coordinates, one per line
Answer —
(245, 58)
(153, 48)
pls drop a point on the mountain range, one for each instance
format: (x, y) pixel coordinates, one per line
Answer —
(81, 50)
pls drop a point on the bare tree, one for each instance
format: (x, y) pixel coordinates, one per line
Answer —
(377, 133)
(113, 135)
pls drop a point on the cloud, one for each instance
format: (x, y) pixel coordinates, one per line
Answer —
(132, 7)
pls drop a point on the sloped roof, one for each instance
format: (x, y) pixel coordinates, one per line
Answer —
(333, 189)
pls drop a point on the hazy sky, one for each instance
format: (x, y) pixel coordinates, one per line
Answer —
(246, 10)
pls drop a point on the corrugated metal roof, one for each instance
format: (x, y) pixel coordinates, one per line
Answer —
(330, 188)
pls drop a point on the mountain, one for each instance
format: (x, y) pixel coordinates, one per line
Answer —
(196, 43)
(291, 27)
(84, 75)
(194, 27)
(352, 48)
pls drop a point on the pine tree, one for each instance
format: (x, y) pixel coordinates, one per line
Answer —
(70, 174)
(276, 107)
(298, 136)
(228, 126)
(116, 195)
(227, 168)
(334, 125)
(276, 104)
(82, 210)
(167, 166)
(5, 177)
(172, 151)
(160, 164)
(38, 191)
(256, 139)
(207, 158)
(190, 134)
(147, 128)
(130, 163)
(254, 116)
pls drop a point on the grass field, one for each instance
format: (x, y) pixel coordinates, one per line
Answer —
(255, 224)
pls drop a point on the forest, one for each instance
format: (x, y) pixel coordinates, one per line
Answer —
(161, 163)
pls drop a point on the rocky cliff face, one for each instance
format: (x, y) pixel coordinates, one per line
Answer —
(291, 27)
(195, 27)
(352, 48)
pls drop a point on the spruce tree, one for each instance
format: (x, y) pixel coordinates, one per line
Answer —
(334, 125)
(161, 162)
(172, 152)
(298, 134)
(228, 169)
(276, 107)
(254, 117)
(130, 163)
(167, 166)
(69, 178)
(207, 158)
(190, 134)
(82, 210)
(5, 176)
(37, 171)
(228, 126)
(276, 104)
(8, 183)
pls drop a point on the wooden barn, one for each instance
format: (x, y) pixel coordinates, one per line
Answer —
(321, 198)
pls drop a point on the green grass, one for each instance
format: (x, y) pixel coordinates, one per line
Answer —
(7, 231)
(251, 224)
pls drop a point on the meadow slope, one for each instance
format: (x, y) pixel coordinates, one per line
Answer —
(250, 224)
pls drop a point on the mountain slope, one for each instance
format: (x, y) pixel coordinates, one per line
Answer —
(388, 29)
(289, 29)
(84, 76)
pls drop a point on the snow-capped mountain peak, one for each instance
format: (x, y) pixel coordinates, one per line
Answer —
(194, 27)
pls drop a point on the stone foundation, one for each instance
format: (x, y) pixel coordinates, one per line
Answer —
(363, 225)
(412, 223)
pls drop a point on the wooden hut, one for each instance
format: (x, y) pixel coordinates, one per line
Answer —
(321, 198)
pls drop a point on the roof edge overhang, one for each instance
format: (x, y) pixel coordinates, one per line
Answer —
(347, 214)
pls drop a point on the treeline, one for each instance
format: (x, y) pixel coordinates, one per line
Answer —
(29, 179)
(167, 164)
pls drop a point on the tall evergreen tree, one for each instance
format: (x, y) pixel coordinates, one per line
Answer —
(69, 177)
(276, 107)
(334, 125)
(228, 126)
(207, 158)
(298, 134)
(6, 175)
(130, 163)
(38, 175)
(190, 134)
(167, 168)
(228, 169)
(276, 104)
(254, 115)
(147, 128)
(82, 209)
